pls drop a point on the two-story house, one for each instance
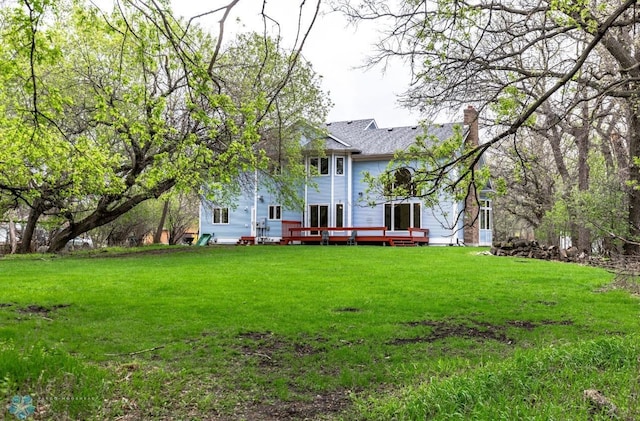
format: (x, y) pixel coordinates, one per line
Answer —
(337, 200)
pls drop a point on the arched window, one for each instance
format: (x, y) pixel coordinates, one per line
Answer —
(401, 184)
(403, 180)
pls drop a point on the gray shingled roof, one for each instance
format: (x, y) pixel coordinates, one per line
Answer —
(365, 137)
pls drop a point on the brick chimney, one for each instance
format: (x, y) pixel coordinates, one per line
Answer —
(472, 210)
(471, 120)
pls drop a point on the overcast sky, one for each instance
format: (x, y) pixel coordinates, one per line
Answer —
(335, 49)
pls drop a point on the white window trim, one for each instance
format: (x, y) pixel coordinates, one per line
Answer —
(213, 215)
(335, 166)
(411, 214)
(485, 207)
(319, 158)
(279, 211)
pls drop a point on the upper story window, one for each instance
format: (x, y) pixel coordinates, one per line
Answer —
(339, 165)
(275, 212)
(401, 184)
(220, 215)
(320, 164)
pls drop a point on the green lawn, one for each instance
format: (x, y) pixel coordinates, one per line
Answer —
(302, 332)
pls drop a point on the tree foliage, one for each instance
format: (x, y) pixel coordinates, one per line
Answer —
(103, 110)
(548, 65)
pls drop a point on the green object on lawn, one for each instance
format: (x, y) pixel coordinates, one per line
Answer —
(204, 239)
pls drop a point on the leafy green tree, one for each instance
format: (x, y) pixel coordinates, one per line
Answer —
(525, 175)
(254, 65)
(102, 111)
(510, 58)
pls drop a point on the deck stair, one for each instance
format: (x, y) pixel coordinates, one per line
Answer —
(246, 240)
(403, 243)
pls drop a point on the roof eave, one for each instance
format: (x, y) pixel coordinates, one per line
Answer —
(342, 142)
(373, 157)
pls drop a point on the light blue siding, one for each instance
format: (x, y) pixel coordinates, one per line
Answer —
(348, 190)
(363, 214)
(331, 189)
(439, 225)
(241, 218)
(239, 221)
(321, 191)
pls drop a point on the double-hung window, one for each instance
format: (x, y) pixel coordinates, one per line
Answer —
(275, 212)
(220, 215)
(320, 164)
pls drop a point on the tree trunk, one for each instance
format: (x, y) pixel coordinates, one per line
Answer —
(582, 140)
(157, 238)
(634, 180)
(555, 138)
(555, 141)
(27, 233)
(13, 237)
(103, 215)
(584, 233)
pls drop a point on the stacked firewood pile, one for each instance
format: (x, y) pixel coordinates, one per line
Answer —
(517, 247)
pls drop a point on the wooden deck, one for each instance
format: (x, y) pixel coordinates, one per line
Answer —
(246, 240)
(292, 232)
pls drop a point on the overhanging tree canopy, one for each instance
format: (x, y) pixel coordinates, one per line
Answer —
(101, 111)
(511, 57)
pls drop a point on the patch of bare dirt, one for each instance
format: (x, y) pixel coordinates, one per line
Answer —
(471, 329)
(266, 346)
(270, 351)
(41, 310)
(262, 345)
(347, 310)
(318, 408)
(442, 329)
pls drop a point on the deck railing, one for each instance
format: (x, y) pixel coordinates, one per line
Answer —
(308, 231)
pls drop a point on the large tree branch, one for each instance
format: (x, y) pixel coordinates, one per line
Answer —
(216, 52)
(582, 58)
(293, 61)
